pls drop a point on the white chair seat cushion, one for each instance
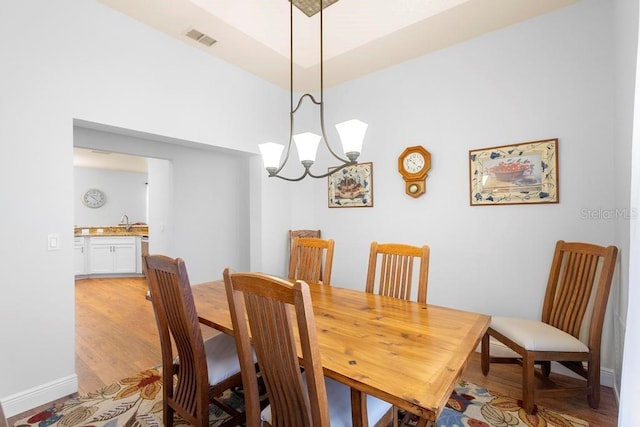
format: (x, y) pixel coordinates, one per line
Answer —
(339, 398)
(222, 357)
(534, 335)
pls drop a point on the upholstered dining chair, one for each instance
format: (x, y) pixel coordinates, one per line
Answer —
(204, 368)
(393, 265)
(266, 311)
(570, 329)
(311, 260)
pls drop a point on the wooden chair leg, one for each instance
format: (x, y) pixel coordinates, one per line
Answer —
(484, 354)
(168, 415)
(593, 385)
(528, 382)
(423, 422)
(546, 368)
(405, 419)
(359, 408)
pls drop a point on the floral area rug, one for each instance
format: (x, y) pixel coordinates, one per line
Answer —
(137, 402)
(474, 406)
(131, 402)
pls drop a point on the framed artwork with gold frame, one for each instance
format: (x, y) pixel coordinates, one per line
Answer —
(524, 173)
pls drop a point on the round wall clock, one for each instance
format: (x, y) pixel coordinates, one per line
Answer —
(413, 165)
(93, 198)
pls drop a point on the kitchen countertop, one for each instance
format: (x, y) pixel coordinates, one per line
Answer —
(112, 230)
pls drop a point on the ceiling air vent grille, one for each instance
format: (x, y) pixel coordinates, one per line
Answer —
(201, 37)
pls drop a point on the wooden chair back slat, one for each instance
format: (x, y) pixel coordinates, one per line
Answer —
(396, 268)
(261, 312)
(578, 286)
(302, 234)
(398, 273)
(311, 260)
(574, 293)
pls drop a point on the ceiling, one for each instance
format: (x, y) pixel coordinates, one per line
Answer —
(360, 36)
(98, 159)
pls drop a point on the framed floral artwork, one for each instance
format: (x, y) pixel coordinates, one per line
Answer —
(523, 173)
(351, 187)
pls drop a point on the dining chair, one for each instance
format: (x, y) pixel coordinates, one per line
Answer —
(395, 270)
(302, 234)
(311, 260)
(570, 329)
(270, 313)
(204, 369)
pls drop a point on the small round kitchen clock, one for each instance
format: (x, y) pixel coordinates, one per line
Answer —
(93, 198)
(413, 165)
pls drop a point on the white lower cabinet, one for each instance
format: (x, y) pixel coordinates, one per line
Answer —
(108, 255)
(79, 255)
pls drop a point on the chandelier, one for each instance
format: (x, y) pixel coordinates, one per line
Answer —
(351, 132)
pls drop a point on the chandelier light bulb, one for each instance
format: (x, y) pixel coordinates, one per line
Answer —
(307, 145)
(352, 135)
(271, 153)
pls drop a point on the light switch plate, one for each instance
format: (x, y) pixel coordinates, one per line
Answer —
(53, 242)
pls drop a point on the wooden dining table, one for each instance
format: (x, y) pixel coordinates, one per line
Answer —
(406, 353)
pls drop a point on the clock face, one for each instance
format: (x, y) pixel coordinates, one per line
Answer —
(413, 163)
(93, 198)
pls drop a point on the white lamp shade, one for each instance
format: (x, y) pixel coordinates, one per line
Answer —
(271, 153)
(307, 145)
(352, 135)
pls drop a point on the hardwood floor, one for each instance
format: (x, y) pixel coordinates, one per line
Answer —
(116, 333)
(507, 381)
(116, 336)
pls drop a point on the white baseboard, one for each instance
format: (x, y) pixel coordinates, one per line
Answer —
(500, 350)
(40, 395)
(619, 344)
(606, 374)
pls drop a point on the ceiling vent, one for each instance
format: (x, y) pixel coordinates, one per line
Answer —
(311, 7)
(201, 37)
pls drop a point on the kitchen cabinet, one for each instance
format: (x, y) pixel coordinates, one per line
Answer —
(113, 254)
(79, 255)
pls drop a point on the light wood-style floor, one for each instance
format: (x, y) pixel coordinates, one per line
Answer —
(116, 336)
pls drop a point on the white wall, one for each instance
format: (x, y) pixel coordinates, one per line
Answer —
(545, 78)
(160, 205)
(626, 44)
(550, 77)
(629, 386)
(88, 62)
(125, 194)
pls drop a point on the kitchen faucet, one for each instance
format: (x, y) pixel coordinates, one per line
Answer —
(125, 221)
